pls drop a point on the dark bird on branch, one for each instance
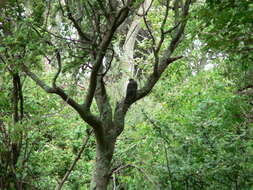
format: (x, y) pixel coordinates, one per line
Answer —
(131, 91)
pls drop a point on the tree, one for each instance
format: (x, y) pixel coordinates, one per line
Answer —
(93, 25)
(226, 30)
(230, 22)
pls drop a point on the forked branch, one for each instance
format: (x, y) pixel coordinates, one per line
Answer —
(121, 16)
(92, 120)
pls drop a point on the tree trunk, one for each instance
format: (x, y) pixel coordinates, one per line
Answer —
(128, 47)
(104, 153)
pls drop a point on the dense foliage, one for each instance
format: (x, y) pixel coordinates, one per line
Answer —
(194, 131)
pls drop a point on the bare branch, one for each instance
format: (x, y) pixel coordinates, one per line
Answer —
(166, 58)
(39, 82)
(144, 10)
(58, 57)
(108, 65)
(153, 78)
(85, 142)
(121, 16)
(55, 35)
(150, 33)
(120, 167)
(171, 29)
(94, 19)
(92, 120)
(153, 41)
(162, 27)
(176, 39)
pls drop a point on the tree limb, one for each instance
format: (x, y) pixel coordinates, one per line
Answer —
(58, 57)
(166, 58)
(121, 16)
(92, 120)
(153, 78)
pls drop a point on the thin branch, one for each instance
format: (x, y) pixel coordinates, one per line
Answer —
(114, 181)
(109, 65)
(92, 120)
(176, 39)
(120, 167)
(166, 58)
(85, 142)
(153, 44)
(139, 169)
(152, 79)
(162, 27)
(168, 166)
(56, 36)
(122, 15)
(58, 57)
(150, 33)
(83, 35)
(39, 82)
(171, 29)
(144, 13)
(147, 176)
(48, 12)
(95, 22)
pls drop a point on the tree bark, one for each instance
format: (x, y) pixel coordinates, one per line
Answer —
(128, 47)
(104, 153)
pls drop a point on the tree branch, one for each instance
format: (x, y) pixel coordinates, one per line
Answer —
(121, 16)
(139, 169)
(162, 27)
(85, 142)
(39, 82)
(83, 35)
(153, 78)
(176, 39)
(58, 57)
(166, 58)
(92, 120)
(121, 108)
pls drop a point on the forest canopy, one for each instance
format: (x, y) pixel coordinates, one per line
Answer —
(126, 94)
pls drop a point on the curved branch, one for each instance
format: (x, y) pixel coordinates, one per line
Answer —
(164, 62)
(89, 118)
(153, 78)
(176, 39)
(58, 57)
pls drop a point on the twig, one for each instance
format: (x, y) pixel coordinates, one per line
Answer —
(109, 64)
(83, 35)
(85, 142)
(139, 169)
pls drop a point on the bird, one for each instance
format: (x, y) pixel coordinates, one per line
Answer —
(131, 91)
